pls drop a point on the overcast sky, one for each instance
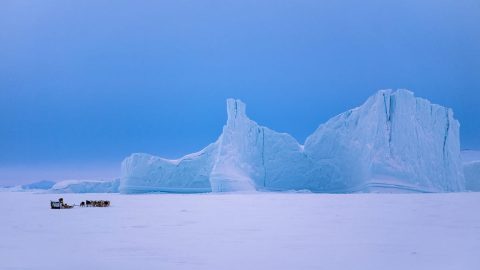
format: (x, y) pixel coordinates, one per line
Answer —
(85, 83)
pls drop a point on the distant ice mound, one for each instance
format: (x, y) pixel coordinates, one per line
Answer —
(86, 186)
(471, 169)
(393, 142)
(470, 155)
(472, 175)
(42, 185)
(38, 186)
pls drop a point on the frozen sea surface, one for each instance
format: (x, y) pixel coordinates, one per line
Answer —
(242, 231)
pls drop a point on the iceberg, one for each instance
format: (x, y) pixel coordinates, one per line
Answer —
(393, 142)
(86, 186)
(143, 173)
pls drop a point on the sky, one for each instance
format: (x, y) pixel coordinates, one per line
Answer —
(83, 84)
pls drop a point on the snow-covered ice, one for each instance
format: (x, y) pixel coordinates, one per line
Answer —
(393, 142)
(242, 231)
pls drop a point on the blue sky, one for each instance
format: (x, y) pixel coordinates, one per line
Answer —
(85, 83)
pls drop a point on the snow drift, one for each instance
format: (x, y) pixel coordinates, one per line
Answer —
(393, 142)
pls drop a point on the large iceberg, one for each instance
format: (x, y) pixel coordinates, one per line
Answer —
(394, 141)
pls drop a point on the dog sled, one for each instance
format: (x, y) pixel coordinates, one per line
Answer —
(59, 204)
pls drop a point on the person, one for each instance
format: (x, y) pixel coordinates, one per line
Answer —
(62, 205)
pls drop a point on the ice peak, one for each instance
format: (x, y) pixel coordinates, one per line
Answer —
(235, 109)
(391, 92)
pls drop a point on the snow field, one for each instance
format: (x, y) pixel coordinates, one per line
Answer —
(242, 231)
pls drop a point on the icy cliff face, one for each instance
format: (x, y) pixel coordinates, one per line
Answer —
(392, 142)
(86, 186)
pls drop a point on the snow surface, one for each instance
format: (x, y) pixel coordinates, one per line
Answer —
(393, 142)
(242, 231)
